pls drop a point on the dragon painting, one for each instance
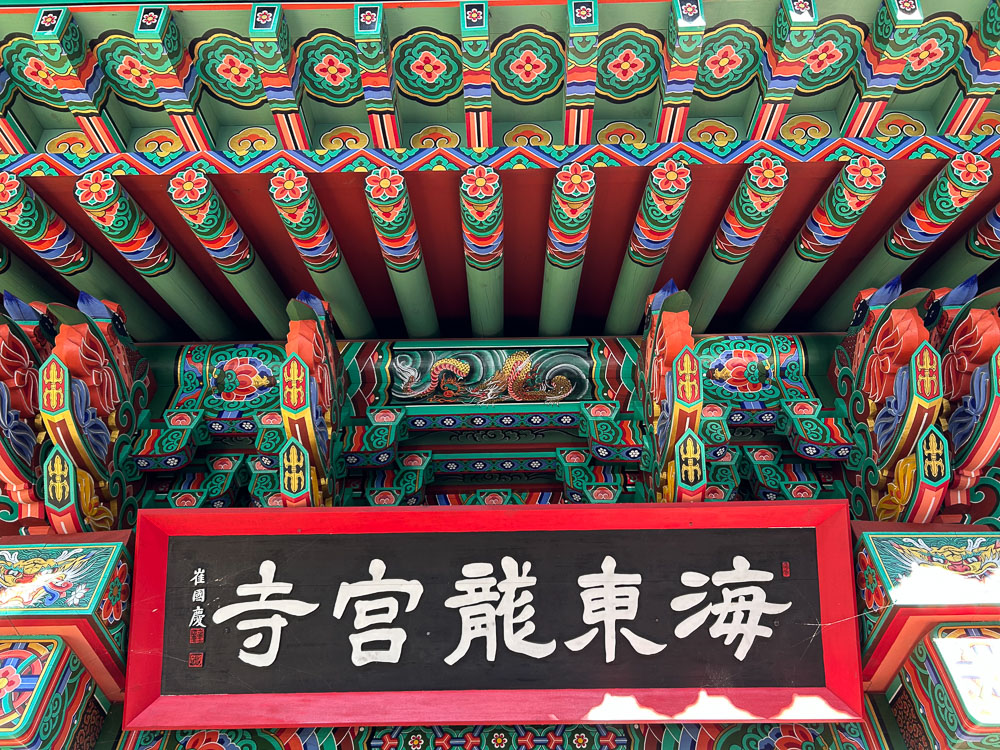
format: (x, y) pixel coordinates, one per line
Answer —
(40, 580)
(517, 380)
(977, 559)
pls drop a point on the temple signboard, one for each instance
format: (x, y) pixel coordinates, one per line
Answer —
(487, 615)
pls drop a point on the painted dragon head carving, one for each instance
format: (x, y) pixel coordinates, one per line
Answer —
(978, 559)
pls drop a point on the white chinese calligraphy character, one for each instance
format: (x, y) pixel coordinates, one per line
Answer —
(479, 612)
(198, 579)
(381, 611)
(739, 612)
(198, 595)
(607, 598)
(275, 622)
(197, 618)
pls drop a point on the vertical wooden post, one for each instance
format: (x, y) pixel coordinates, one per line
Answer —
(43, 230)
(840, 208)
(279, 74)
(941, 203)
(581, 72)
(208, 217)
(883, 57)
(978, 73)
(681, 55)
(126, 226)
(482, 226)
(173, 75)
(655, 222)
(781, 66)
(569, 226)
(755, 200)
(377, 80)
(21, 280)
(392, 217)
(973, 254)
(476, 85)
(77, 77)
(312, 235)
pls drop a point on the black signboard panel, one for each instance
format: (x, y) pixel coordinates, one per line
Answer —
(315, 651)
(325, 617)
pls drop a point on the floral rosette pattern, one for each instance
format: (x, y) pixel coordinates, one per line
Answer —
(395, 228)
(569, 217)
(666, 190)
(482, 217)
(938, 206)
(207, 216)
(844, 203)
(40, 228)
(756, 198)
(124, 223)
(304, 219)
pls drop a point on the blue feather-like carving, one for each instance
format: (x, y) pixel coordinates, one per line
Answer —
(314, 302)
(319, 424)
(967, 415)
(891, 414)
(19, 310)
(16, 432)
(94, 430)
(886, 294)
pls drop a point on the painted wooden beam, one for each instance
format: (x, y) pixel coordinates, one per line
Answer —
(940, 204)
(781, 65)
(481, 200)
(755, 200)
(279, 74)
(569, 227)
(581, 72)
(477, 89)
(655, 222)
(313, 237)
(971, 255)
(23, 281)
(883, 57)
(34, 222)
(130, 231)
(840, 208)
(173, 75)
(978, 74)
(77, 77)
(377, 80)
(681, 55)
(392, 217)
(14, 136)
(211, 222)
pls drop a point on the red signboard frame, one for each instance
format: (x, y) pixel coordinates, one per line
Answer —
(838, 700)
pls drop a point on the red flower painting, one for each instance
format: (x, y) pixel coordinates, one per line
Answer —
(482, 182)
(865, 172)
(823, 57)
(575, 179)
(188, 186)
(671, 176)
(288, 185)
(233, 70)
(768, 173)
(428, 67)
(385, 183)
(626, 65)
(38, 72)
(723, 62)
(528, 66)
(332, 69)
(94, 188)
